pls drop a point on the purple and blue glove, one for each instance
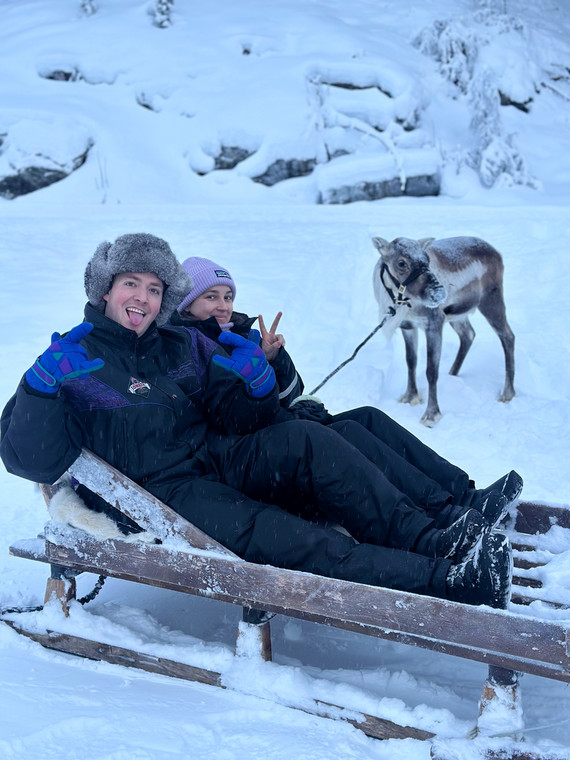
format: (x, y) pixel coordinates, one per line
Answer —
(248, 362)
(63, 360)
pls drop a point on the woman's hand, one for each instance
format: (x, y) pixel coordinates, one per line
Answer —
(270, 342)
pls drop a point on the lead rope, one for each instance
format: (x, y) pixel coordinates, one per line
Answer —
(390, 313)
(84, 600)
(397, 300)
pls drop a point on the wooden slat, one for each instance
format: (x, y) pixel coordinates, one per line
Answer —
(527, 564)
(533, 519)
(520, 597)
(527, 582)
(539, 518)
(440, 752)
(94, 650)
(29, 548)
(492, 636)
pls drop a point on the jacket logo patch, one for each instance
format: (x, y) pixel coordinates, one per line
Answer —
(138, 387)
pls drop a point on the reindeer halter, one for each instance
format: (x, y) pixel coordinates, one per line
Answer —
(399, 300)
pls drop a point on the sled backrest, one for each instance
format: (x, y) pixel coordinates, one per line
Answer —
(148, 512)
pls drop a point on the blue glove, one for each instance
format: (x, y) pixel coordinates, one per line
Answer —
(63, 360)
(248, 362)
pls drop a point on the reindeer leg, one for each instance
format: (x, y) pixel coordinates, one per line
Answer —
(411, 396)
(466, 334)
(434, 329)
(492, 307)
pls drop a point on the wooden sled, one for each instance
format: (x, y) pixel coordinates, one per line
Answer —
(507, 641)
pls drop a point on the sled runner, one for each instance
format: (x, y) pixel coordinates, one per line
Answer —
(181, 557)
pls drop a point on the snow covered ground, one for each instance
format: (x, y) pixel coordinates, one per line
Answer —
(313, 262)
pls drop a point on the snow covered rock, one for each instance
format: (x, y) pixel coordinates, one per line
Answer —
(370, 177)
(35, 153)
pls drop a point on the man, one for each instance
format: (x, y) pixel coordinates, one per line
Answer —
(166, 406)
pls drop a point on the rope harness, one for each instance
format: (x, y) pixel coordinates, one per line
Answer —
(397, 300)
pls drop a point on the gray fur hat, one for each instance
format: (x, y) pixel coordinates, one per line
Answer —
(138, 252)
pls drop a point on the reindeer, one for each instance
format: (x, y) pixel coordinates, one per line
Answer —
(429, 282)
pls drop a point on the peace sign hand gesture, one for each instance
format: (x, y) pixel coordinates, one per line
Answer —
(270, 342)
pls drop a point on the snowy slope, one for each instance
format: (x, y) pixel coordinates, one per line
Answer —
(351, 95)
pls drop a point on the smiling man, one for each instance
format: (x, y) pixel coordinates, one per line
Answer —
(134, 300)
(134, 281)
(200, 430)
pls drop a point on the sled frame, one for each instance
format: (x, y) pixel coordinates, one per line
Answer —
(505, 640)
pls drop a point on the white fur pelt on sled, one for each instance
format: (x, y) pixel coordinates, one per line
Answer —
(67, 507)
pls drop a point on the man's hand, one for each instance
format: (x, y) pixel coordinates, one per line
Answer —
(248, 362)
(63, 360)
(270, 342)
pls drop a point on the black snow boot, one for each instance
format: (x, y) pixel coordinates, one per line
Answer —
(510, 486)
(485, 576)
(493, 507)
(456, 541)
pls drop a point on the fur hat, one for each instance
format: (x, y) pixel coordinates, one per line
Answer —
(138, 252)
(205, 274)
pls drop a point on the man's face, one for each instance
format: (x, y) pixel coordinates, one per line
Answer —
(134, 300)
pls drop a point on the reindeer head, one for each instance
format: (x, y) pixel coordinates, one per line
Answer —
(406, 265)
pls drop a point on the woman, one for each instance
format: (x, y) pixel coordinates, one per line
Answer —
(209, 307)
(430, 481)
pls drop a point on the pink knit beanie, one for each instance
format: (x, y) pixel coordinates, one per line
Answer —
(205, 274)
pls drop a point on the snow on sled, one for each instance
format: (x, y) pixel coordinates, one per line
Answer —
(171, 553)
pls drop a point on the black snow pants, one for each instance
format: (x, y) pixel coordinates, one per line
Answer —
(273, 495)
(429, 480)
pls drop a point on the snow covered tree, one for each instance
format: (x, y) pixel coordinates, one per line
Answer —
(496, 158)
(162, 10)
(454, 46)
(316, 97)
(457, 46)
(485, 103)
(88, 7)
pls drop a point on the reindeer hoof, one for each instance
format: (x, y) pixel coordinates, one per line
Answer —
(411, 398)
(506, 396)
(431, 420)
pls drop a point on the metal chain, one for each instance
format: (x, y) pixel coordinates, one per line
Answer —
(84, 600)
(94, 591)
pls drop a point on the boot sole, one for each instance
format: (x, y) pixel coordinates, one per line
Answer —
(513, 487)
(501, 571)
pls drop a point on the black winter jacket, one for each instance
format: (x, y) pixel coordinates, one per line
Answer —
(289, 381)
(147, 412)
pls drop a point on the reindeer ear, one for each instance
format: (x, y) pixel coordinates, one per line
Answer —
(424, 242)
(380, 244)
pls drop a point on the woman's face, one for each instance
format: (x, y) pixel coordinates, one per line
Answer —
(215, 302)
